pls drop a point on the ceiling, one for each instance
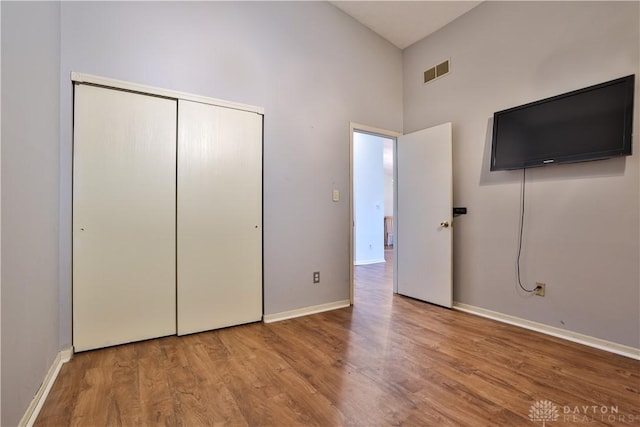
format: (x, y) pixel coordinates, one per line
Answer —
(405, 22)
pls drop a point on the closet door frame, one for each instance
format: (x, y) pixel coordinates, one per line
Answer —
(108, 83)
(166, 93)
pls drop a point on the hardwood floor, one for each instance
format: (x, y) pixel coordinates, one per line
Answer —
(388, 360)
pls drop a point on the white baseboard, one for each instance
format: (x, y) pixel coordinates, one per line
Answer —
(276, 317)
(576, 337)
(369, 261)
(35, 406)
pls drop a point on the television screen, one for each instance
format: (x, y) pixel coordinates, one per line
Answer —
(587, 124)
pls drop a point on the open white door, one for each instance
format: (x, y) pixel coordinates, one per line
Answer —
(424, 215)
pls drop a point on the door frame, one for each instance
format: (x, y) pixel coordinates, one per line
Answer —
(384, 133)
(78, 78)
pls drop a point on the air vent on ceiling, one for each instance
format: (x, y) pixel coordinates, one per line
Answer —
(436, 71)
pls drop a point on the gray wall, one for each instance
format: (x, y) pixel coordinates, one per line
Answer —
(581, 227)
(30, 129)
(312, 68)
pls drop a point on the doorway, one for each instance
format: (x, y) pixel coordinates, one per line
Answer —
(373, 203)
(423, 205)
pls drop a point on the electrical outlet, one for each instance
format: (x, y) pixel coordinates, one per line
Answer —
(316, 277)
(540, 288)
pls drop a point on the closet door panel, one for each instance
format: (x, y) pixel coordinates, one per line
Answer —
(123, 217)
(219, 217)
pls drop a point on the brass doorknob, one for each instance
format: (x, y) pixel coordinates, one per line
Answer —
(444, 224)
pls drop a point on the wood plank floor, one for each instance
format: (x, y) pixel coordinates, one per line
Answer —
(389, 360)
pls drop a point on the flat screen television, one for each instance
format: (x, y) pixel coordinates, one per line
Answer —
(587, 124)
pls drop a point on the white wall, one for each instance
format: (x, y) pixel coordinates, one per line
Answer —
(368, 194)
(388, 175)
(30, 130)
(312, 68)
(581, 230)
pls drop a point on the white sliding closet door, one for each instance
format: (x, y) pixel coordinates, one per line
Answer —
(123, 217)
(219, 217)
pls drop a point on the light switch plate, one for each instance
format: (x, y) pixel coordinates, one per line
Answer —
(336, 195)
